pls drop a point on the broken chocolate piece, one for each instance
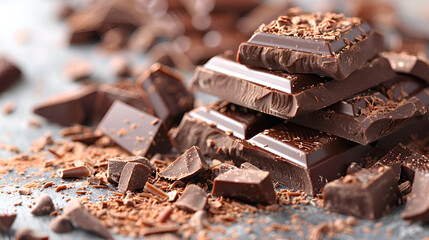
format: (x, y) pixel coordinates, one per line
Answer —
(74, 172)
(408, 64)
(334, 51)
(199, 220)
(134, 176)
(368, 194)
(246, 185)
(417, 207)
(137, 132)
(189, 165)
(9, 74)
(81, 217)
(61, 224)
(116, 165)
(6, 221)
(74, 107)
(167, 93)
(193, 199)
(281, 94)
(27, 233)
(44, 206)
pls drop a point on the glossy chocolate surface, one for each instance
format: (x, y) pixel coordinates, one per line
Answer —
(417, 207)
(409, 64)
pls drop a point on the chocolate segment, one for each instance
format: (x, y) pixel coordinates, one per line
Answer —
(276, 93)
(133, 177)
(408, 64)
(6, 221)
(116, 165)
(417, 207)
(246, 185)
(166, 92)
(193, 199)
(305, 43)
(74, 107)
(81, 217)
(137, 132)
(9, 74)
(44, 206)
(368, 194)
(189, 165)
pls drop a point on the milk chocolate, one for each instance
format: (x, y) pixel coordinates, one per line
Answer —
(116, 165)
(305, 43)
(44, 206)
(134, 176)
(6, 221)
(281, 94)
(368, 194)
(417, 207)
(409, 64)
(9, 74)
(74, 172)
(193, 199)
(137, 132)
(246, 185)
(166, 91)
(27, 233)
(61, 224)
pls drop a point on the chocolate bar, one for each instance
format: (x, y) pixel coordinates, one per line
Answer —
(246, 185)
(372, 114)
(165, 89)
(408, 64)
(74, 172)
(298, 157)
(368, 194)
(280, 94)
(61, 224)
(328, 45)
(9, 74)
(137, 132)
(417, 207)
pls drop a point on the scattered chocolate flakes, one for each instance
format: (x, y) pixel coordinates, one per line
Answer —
(44, 206)
(133, 177)
(9, 74)
(61, 224)
(27, 233)
(193, 199)
(74, 172)
(189, 165)
(6, 221)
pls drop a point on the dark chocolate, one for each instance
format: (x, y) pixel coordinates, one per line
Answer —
(82, 218)
(368, 194)
(280, 94)
(246, 185)
(44, 206)
(74, 172)
(305, 43)
(137, 132)
(9, 74)
(189, 165)
(353, 168)
(166, 91)
(27, 233)
(116, 165)
(134, 176)
(61, 224)
(408, 64)
(417, 207)
(193, 199)
(6, 221)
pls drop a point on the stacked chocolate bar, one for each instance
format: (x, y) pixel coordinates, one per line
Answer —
(304, 98)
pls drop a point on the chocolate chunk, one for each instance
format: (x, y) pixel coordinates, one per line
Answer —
(133, 177)
(368, 194)
(81, 217)
(408, 64)
(245, 185)
(74, 107)
(189, 165)
(403, 161)
(137, 132)
(44, 206)
(303, 43)
(199, 220)
(9, 74)
(281, 94)
(86, 138)
(353, 168)
(27, 233)
(167, 93)
(193, 199)
(371, 115)
(125, 91)
(74, 172)
(61, 224)
(116, 165)
(417, 207)
(6, 221)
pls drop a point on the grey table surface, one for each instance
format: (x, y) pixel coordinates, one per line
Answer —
(42, 58)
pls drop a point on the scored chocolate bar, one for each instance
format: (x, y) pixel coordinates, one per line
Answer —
(281, 94)
(374, 113)
(298, 157)
(324, 44)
